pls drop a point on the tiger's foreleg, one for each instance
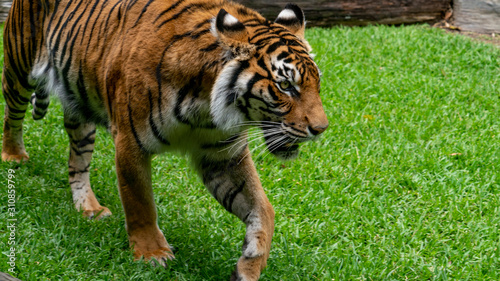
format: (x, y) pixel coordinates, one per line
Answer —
(82, 139)
(17, 102)
(133, 168)
(236, 185)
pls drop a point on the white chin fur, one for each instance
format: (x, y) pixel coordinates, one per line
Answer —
(225, 117)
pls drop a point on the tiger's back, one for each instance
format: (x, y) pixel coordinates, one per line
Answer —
(85, 48)
(184, 75)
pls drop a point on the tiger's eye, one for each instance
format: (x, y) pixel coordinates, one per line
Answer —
(284, 85)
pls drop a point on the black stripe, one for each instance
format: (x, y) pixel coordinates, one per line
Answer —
(288, 22)
(242, 67)
(154, 128)
(281, 73)
(159, 78)
(188, 8)
(13, 63)
(207, 21)
(73, 173)
(24, 61)
(82, 91)
(184, 91)
(263, 65)
(228, 200)
(71, 96)
(80, 152)
(259, 32)
(51, 20)
(168, 10)
(93, 27)
(91, 13)
(72, 29)
(134, 131)
(57, 41)
(41, 105)
(273, 47)
(159, 81)
(210, 47)
(69, 126)
(272, 93)
(33, 30)
(275, 112)
(246, 12)
(41, 93)
(266, 40)
(106, 28)
(130, 5)
(87, 139)
(144, 9)
(15, 118)
(16, 111)
(56, 28)
(283, 55)
(109, 92)
(18, 99)
(200, 33)
(37, 114)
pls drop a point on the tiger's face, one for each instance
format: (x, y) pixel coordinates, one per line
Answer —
(270, 80)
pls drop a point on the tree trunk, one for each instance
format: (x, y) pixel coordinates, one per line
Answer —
(358, 12)
(479, 15)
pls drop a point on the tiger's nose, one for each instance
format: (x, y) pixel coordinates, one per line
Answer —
(316, 130)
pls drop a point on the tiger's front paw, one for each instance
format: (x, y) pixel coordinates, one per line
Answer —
(157, 257)
(98, 213)
(18, 157)
(249, 269)
(150, 244)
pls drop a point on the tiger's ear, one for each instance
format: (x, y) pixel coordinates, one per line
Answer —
(233, 35)
(292, 18)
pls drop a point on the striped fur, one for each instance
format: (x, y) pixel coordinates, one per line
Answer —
(164, 75)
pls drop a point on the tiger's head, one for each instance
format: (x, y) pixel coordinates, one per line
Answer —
(269, 79)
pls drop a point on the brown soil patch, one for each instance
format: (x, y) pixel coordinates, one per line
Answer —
(493, 38)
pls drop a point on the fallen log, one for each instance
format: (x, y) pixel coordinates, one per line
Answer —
(358, 12)
(7, 277)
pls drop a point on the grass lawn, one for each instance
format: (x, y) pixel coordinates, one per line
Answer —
(404, 185)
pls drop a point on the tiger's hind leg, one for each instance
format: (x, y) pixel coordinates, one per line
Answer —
(82, 139)
(17, 99)
(236, 186)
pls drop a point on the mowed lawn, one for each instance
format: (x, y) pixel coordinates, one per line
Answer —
(404, 185)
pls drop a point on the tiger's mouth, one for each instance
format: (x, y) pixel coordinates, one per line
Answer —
(287, 151)
(281, 144)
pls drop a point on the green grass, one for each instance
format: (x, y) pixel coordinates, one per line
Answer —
(402, 186)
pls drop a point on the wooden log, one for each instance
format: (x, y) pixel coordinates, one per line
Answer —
(346, 12)
(478, 15)
(4, 9)
(7, 277)
(358, 12)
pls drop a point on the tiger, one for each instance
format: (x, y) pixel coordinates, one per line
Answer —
(188, 76)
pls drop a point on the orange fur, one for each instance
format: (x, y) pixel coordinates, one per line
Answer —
(163, 75)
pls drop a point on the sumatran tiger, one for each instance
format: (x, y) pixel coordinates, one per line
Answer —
(162, 75)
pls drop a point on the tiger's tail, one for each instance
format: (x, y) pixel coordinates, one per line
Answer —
(40, 101)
